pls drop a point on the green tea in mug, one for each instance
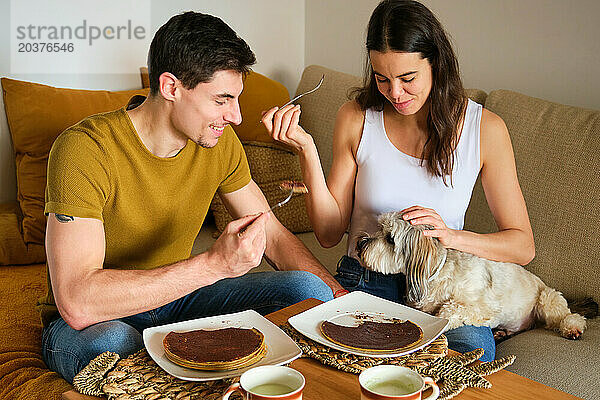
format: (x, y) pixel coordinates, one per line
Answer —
(272, 389)
(393, 387)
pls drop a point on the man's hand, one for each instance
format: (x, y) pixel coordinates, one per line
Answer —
(241, 245)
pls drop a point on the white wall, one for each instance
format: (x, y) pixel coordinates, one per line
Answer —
(336, 32)
(543, 48)
(274, 29)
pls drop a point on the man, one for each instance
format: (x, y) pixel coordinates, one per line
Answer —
(127, 194)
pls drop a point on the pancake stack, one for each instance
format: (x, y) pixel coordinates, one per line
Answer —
(215, 350)
(374, 336)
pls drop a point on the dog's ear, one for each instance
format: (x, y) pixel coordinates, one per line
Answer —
(420, 254)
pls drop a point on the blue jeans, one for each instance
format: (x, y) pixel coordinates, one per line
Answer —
(67, 351)
(352, 276)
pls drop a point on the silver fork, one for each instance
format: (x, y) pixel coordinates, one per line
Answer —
(282, 202)
(295, 187)
(305, 93)
(300, 95)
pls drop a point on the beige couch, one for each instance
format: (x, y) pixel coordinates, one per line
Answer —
(556, 149)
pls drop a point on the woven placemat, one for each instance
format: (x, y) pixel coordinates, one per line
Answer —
(452, 373)
(138, 377)
(356, 364)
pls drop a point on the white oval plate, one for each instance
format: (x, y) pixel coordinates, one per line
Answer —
(308, 322)
(281, 349)
(354, 318)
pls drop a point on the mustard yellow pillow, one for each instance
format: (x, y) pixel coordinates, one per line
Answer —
(270, 164)
(260, 94)
(13, 250)
(36, 115)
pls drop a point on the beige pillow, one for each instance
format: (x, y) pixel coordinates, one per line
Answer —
(556, 149)
(270, 164)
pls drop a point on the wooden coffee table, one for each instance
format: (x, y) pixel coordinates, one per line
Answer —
(323, 382)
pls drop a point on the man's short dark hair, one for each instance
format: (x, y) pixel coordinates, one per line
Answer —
(193, 46)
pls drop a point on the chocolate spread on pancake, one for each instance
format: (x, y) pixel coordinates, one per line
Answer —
(370, 335)
(202, 346)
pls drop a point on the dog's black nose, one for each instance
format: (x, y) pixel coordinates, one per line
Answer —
(360, 244)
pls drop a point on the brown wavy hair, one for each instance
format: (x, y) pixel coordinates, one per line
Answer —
(193, 47)
(410, 27)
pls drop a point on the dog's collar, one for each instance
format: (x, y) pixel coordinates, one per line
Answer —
(439, 267)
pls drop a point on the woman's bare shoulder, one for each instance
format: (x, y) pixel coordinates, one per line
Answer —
(349, 123)
(495, 139)
(351, 112)
(492, 124)
(493, 130)
(350, 117)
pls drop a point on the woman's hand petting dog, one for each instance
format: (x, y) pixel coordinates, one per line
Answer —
(419, 215)
(241, 246)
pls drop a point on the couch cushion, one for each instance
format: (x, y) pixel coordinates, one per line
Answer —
(270, 164)
(328, 257)
(23, 374)
(556, 151)
(36, 115)
(476, 95)
(13, 250)
(567, 365)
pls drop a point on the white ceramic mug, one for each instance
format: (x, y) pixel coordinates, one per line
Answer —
(269, 382)
(392, 382)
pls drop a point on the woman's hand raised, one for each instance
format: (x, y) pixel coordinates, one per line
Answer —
(282, 125)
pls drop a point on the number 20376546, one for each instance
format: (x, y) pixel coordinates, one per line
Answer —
(45, 47)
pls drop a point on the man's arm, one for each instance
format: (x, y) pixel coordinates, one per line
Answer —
(85, 293)
(284, 249)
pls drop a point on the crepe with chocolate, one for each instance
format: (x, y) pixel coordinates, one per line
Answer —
(215, 350)
(295, 187)
(374, 336)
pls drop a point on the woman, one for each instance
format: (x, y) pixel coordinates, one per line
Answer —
(411, 140)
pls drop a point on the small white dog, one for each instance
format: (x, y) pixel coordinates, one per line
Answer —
(461, 287)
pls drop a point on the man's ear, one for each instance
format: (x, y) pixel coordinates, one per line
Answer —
(168, 85)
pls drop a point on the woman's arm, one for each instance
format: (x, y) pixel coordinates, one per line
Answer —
(329, 205)
(514, 240)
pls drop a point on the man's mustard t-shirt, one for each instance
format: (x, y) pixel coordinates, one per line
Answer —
(152, 208)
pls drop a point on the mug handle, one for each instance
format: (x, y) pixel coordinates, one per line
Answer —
(434, 386)
(236, 386)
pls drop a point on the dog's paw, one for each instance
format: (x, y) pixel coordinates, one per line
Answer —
(572, 326)
(501, 335)
(572, 334)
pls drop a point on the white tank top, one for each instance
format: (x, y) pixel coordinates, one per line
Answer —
(390, 180)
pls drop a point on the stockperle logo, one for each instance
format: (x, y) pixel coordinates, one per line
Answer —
(71, 36)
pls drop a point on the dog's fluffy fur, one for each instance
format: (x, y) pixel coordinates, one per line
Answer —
(461, 287)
